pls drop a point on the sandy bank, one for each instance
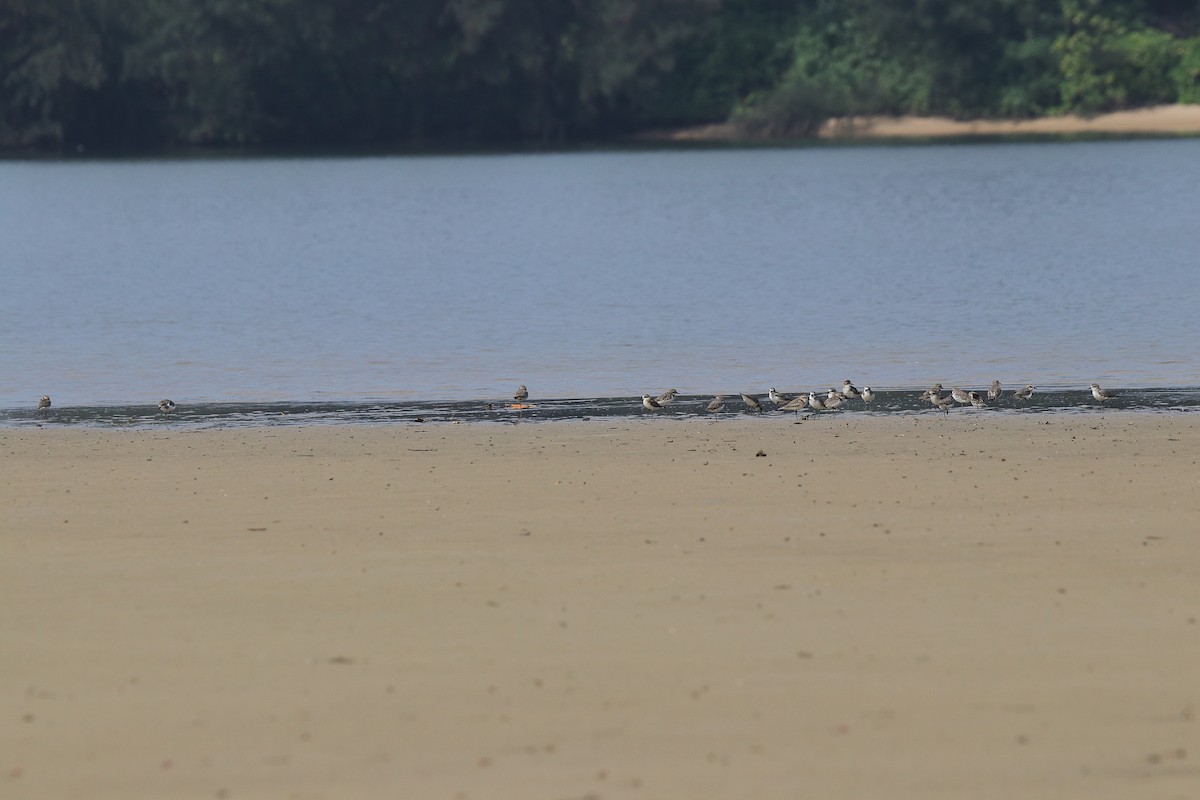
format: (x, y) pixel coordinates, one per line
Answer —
(903, 607)
(1169, 120)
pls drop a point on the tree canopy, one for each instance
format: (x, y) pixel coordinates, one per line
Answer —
(134, 75)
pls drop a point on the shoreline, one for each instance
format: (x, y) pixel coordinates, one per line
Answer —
(1166, 120)
(906, 403)
(896, 606)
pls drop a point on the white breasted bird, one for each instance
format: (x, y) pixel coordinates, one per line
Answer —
(650, 404)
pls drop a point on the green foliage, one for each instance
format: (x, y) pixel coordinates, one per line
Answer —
(834, 72)
(50, 52)
(745, 49)
(1106, 66)
(1186, 72)
(133, 74)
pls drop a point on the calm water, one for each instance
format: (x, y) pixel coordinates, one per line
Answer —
(422, 281)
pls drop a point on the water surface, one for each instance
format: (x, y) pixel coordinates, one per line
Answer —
(598, 275)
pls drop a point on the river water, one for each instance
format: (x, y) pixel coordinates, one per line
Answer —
(427, 281)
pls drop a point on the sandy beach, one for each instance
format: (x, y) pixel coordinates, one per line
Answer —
(910, 606)
(1166, 120)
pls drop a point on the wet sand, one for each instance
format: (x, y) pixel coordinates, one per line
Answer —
(982, 606)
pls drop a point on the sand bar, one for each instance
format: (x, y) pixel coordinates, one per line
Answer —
(1165, 120)
(983, 606)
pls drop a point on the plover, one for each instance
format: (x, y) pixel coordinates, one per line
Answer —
(833, 400)
(796, 404)
(777, 398)
(666, 397)
(752, 403)
(166, 406)
(994, 391)
(942, 403)
(932, 392)
(868, 396)
(716, 404)
(1024, 393)
(650, 404)
(959, 396)
(43, 402)
(976, 399)
(522, 394)
(815, 403)
(850, 391)
(1101, 394)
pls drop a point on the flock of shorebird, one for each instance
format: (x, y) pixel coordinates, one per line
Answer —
(833, 399)
(814, 401)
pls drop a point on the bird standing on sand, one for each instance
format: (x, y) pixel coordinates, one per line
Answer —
(994, 391)
(166, 406)
(1024, 393)
(522, 394)
(716, 404)
(666, 397)
(1101, 394)
(650, 404)
(932, 392)
(850, 391)
(796, 404)
(43, 402)
(868, 396)
(833, 400)
(959, 396)
(815, 402)
(752, 403)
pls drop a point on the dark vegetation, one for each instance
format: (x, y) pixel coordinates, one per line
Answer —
(138, 75)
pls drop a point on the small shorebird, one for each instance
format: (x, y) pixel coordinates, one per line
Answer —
(868, 396)
(941, 403)
(666, 397)
(1101, 394)
(777, 398)
(994, 391)
(833, 400)
(522, 394)
(716, 404)
(959, 396)
(932, 392)
(796, 404)
(166, 406)
(43, 402)
(850, 391)
(752, 403)
(1025, 393)
(650, 404)
(815, 403)
(976, 399)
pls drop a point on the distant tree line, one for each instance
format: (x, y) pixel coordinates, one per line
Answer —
(135, 75)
